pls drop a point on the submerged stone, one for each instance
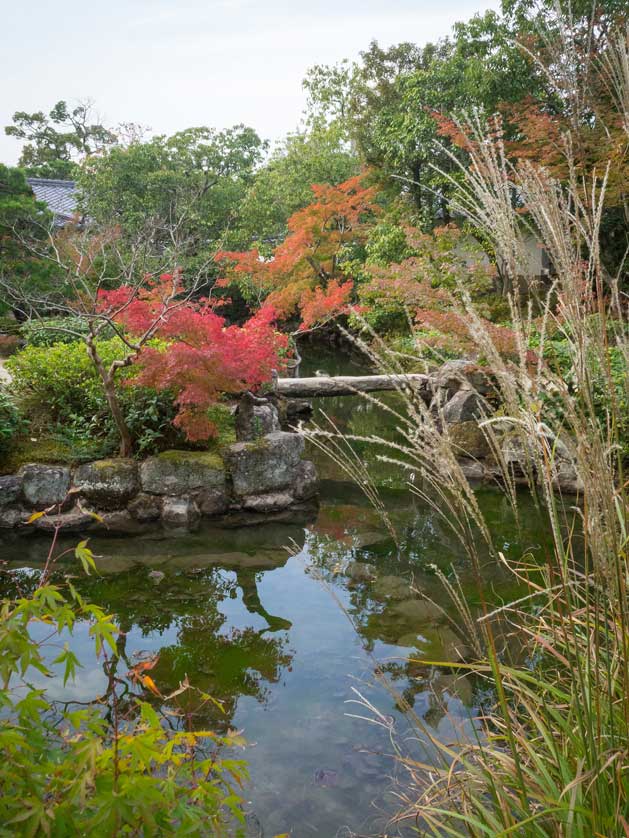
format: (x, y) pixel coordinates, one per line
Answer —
(180, 513)
(360, 572)
(391, 587)
(418, 611)
(120, 522)
(75, 520)
(271, 502)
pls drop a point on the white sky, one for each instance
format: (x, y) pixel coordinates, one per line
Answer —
(172, 65)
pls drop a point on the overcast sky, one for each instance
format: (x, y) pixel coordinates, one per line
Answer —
(173, 64)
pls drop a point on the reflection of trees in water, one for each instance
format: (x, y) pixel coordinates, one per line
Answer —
(224, 662)
(377, 617)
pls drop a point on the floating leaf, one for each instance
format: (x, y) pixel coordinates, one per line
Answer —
(135, 673)
(150, 684)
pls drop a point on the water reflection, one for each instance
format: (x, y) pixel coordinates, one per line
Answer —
(282, 641)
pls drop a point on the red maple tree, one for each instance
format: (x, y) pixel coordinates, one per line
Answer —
(201, 358)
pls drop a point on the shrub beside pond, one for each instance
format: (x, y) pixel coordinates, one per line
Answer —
(58, 389)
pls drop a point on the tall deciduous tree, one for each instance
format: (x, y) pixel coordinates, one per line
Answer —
(186, 188)
(56, 141)
(304, 273)
(320, 154)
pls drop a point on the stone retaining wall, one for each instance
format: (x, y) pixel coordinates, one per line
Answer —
(255, 479)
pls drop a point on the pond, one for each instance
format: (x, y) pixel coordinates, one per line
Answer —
(286, 624)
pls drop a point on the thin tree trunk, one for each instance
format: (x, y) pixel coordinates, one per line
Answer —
(126, 442)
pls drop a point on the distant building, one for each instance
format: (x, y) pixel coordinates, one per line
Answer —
(58, 195)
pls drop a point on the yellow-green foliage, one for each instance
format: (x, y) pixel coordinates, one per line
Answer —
(112, 767)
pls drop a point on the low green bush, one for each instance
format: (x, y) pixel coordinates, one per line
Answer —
(58, 388)
(57, 383)
(11, 422)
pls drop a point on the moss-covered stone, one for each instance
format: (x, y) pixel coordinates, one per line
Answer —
(265, 465)
(182, 472)
(109, 484)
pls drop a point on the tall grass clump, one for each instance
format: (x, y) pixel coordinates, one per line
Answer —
(552, 753)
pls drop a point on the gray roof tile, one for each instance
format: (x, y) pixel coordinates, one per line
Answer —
(59, 195)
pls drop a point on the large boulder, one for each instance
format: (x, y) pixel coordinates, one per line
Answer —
(522, 457)
(108, 484)
(44, 486)
(182, 473)
(474, 471)
(453, 375)
(469, 440)
(10, 489)
(265, 465)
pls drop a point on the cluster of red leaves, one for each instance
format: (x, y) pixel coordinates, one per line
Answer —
(306, 259)
(319, 305)
(203, 357)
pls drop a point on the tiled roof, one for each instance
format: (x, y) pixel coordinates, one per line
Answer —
(59, 195)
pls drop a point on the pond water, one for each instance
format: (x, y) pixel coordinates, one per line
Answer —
(284, 624)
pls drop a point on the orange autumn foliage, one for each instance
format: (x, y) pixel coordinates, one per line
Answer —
(303, 270)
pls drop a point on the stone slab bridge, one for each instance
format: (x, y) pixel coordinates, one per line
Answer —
(349, 385)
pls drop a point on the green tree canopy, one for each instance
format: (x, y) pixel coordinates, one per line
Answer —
(56, 141)
(188, 186)
(24, 227)
(283, 185)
